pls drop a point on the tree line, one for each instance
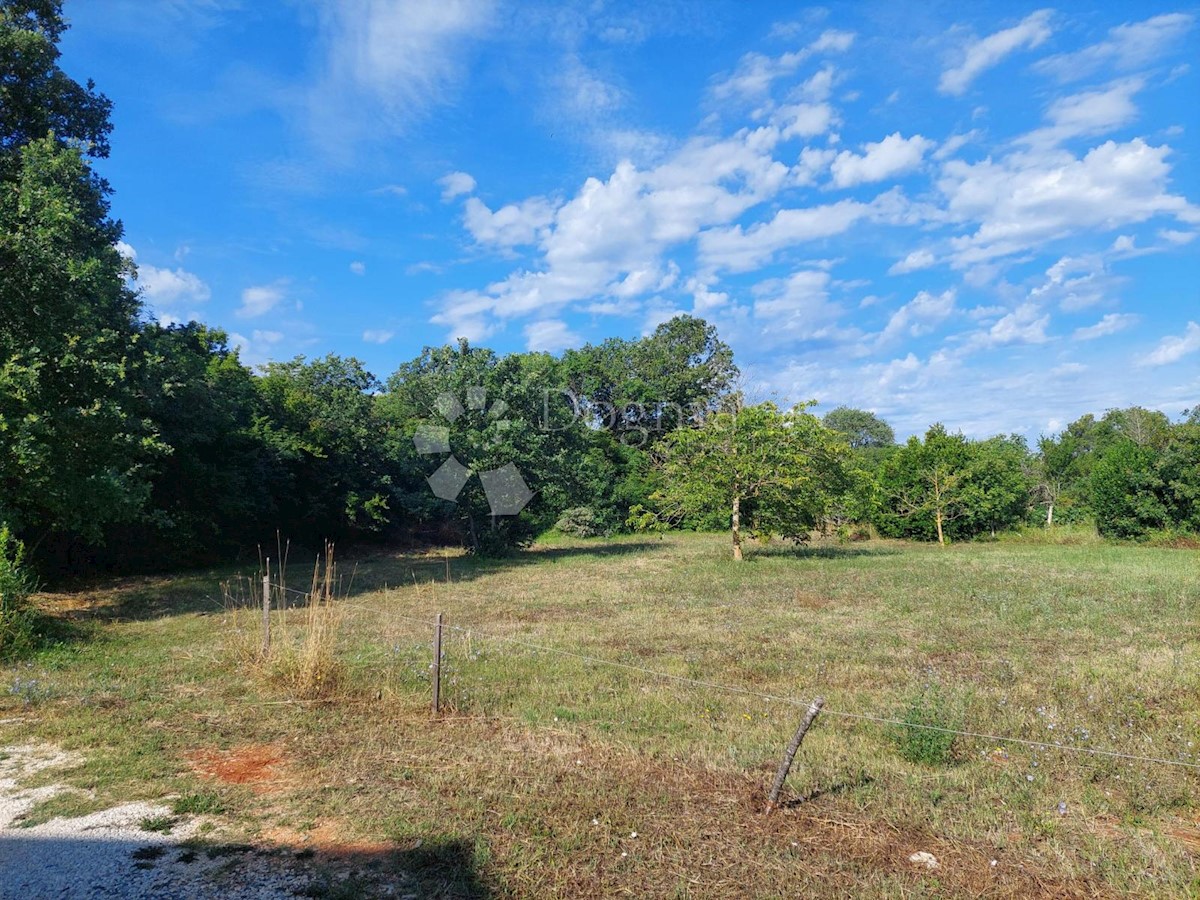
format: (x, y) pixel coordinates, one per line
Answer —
(128, 444)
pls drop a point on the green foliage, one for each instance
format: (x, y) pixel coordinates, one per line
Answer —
(768, 471)
(496, 414)
(862, 429)
(18, 621)
(997, 487)
(74, 454)
(639, 390)
(947, 487)
(1178, 468)
(583, 522)
(922, 486)
(321, 428)
(36, 97)
(1125, 491)
(925, 737)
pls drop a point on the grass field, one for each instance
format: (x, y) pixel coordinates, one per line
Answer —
(545, 766)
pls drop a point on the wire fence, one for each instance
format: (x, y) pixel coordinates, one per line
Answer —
(475, 631)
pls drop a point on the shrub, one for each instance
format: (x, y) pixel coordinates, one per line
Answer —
(918, 739)
(18, 619)
(583, 522)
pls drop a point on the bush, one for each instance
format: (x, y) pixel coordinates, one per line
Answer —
(583, 522)
(18, 619)
(918, 739)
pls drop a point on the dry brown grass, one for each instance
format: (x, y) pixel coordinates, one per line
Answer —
(537, 746)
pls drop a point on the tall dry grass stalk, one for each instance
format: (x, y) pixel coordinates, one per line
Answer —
(303, 649)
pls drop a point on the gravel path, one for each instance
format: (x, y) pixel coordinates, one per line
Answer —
(109, 854)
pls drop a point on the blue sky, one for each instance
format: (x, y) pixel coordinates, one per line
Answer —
(983, 214)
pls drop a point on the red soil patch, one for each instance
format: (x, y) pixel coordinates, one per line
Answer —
(257, 765)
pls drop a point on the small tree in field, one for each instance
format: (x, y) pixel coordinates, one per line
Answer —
(774, 472)
(924, 485)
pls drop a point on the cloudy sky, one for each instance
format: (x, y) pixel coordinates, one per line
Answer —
(978, 213)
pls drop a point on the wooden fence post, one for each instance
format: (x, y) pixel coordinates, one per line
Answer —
(437, 665)
(785, 764)
(266, 611)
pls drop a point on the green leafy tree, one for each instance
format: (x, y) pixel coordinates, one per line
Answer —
(770, 472)
(997, 489)
(1125, 491)
(37, 98)
(922, 486)
(74, 453)
(638, 389)
(209, 491)
(862, 429)
(1179, 471)
(483, 421)
(320, 422)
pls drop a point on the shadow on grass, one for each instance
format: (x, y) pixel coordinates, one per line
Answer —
(44, 866)
(367, 570)
(402, 569)
(204, 592)
(816, 551)
(840, 787)
(41, 632)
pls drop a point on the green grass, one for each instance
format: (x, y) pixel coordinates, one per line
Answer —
(1083, 644)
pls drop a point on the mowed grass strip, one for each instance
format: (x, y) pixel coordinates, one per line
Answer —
(1088, 646)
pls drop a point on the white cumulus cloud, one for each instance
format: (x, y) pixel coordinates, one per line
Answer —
(509, 226)
(1127, 47)
(1110, 324)
(1173, 348)
(455, 184)
(893, 155)
(981, 55)
(260, 299)
(1025, 200)
(550, 335)
(918, 259)
(755, 73)
(919, 316)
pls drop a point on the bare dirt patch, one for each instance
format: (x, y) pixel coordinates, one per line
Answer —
(261, 767)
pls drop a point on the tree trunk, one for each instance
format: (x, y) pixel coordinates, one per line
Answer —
(737, 528)
(937, 506)
(1050, 514)
(474, 536)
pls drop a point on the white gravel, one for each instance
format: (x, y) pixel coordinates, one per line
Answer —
(109, 854)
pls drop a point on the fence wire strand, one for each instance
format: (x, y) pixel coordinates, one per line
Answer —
(770, 698)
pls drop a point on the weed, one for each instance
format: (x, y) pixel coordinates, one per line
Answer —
(18, 620)
(204, 803)
(921, 739)
(159, 824)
